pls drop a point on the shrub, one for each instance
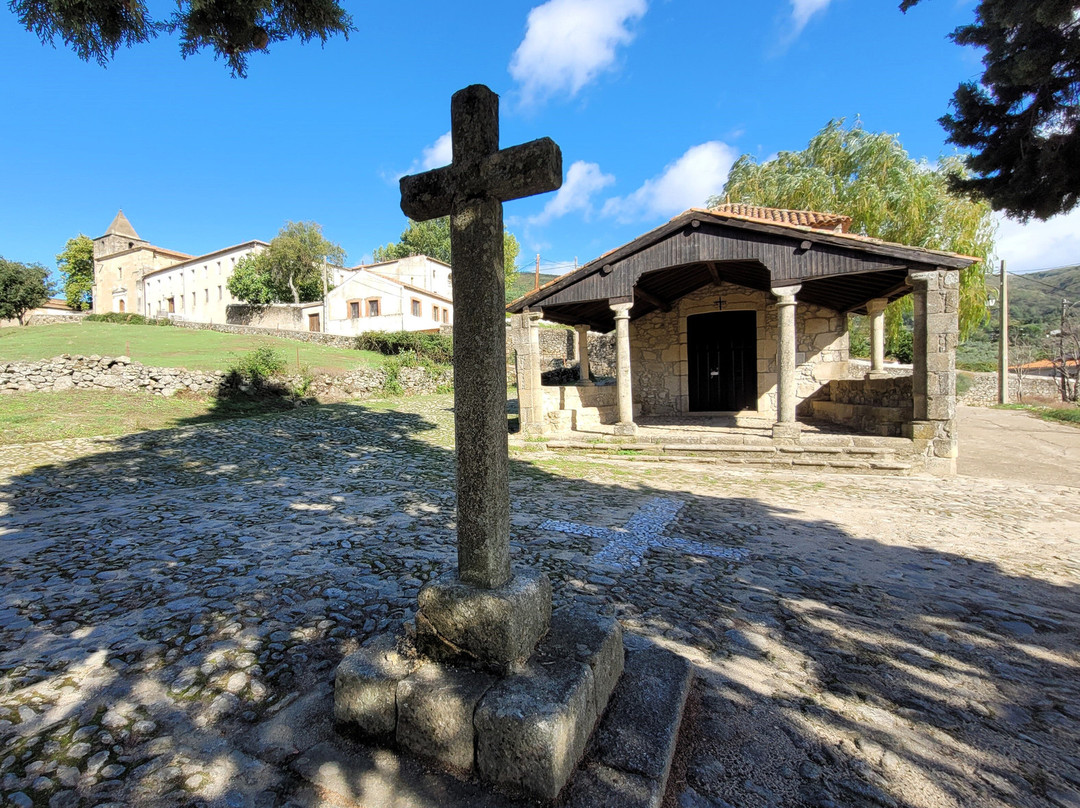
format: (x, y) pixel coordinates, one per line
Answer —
(901, 348)
(964, 382)
(260, 364)
(125, 318)
(436, 348)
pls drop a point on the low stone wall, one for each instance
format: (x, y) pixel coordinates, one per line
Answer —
(280, 316)
(982, 388)
(337, 340)
(558, 355)
(120, 373)
(50, 318)
(872, 406)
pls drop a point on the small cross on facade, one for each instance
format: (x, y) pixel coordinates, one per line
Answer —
(471, 191)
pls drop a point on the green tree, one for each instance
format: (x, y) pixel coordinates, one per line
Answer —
(289, 270)
(22, 287)
(96, 29)
(76, 266)
(1020, 119)
(432, 238)
(869, 177)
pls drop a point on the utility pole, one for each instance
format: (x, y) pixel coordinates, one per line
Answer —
(1061, 351)
(536, 285)
(1003, 339)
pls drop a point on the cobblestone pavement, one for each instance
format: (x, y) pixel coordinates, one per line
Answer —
(879, 642)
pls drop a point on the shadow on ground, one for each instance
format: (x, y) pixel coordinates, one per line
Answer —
(169, 599)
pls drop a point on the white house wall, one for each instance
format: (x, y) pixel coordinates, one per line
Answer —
(395, 306)
(198, 288)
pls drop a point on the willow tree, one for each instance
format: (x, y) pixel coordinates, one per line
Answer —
(888, 195)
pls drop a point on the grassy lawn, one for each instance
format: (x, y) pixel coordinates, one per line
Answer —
(31, 417)
(167, 346)
(1064, 413)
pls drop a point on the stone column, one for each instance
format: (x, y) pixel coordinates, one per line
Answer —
(526, 341)
(583, 353)
(875, 309)
(936, 304)
(786, 346)
(626, 425)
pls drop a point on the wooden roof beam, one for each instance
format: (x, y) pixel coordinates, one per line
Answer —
(663, 305)
(714, 273)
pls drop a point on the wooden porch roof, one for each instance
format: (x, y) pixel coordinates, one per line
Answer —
(841, 271)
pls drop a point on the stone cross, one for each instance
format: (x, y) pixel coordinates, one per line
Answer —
(471, 191)
(626, 547)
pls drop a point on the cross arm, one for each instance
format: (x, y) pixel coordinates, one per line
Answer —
(518, 171)
(428, 195)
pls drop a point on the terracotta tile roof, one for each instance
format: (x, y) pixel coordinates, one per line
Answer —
(804, 218)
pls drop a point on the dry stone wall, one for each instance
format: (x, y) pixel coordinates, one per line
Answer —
(337, 340)
(982, 388)
(120, 373)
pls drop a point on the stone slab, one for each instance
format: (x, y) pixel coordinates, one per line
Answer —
(639, 731)
(459, 622)
(435, 706)
(588, 637)
(365, 687)
(532, 727)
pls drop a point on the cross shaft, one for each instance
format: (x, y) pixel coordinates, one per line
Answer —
(471, 191)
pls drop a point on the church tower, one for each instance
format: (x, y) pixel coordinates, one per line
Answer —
(120, 236)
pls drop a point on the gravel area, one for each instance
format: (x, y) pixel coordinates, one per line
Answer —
(874, 641)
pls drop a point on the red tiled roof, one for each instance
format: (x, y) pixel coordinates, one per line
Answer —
(804, 218)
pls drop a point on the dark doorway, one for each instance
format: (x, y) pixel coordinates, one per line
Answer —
(722, 354)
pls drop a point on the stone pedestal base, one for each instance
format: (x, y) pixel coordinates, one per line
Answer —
(525, 731)
(626, 429)
(878, 374)
(462, 623)
(787, 430)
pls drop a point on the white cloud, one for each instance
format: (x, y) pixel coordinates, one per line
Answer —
(686, 183)
(582, 181)
(1039, 245)
(803, 10)
(568, 43)
(439, 153)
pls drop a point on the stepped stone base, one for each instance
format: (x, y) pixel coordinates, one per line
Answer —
(524, 731)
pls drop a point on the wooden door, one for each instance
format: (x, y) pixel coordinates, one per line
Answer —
(722, 353)
(313, 322)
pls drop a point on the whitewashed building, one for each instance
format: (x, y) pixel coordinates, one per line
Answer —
(132, 275)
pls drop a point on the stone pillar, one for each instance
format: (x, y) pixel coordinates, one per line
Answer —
(875, 309)
(786, 347)
(936, 304)
(525, 338)
(626, 425)
(583, 353)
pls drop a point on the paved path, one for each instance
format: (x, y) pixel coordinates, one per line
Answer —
(172, 606)
(1013, 445)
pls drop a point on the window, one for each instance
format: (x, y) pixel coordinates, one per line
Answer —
(219, 269)
(219, 293)
(373, 307)
(435, 313)
(416, 308)
(354, 309)
(446, 315)
(207, 296)
(120, 273)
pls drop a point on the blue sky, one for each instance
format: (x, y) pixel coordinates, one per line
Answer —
(650, 100)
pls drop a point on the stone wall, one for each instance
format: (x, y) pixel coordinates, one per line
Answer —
(872, 406)
(658, 348)
(120, 373)
(281, 316)
(982, 388)
(558, 354)
(45, 318)
(337, 340)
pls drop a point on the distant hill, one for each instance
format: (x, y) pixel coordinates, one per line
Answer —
(524, 283)
(1035, 297)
